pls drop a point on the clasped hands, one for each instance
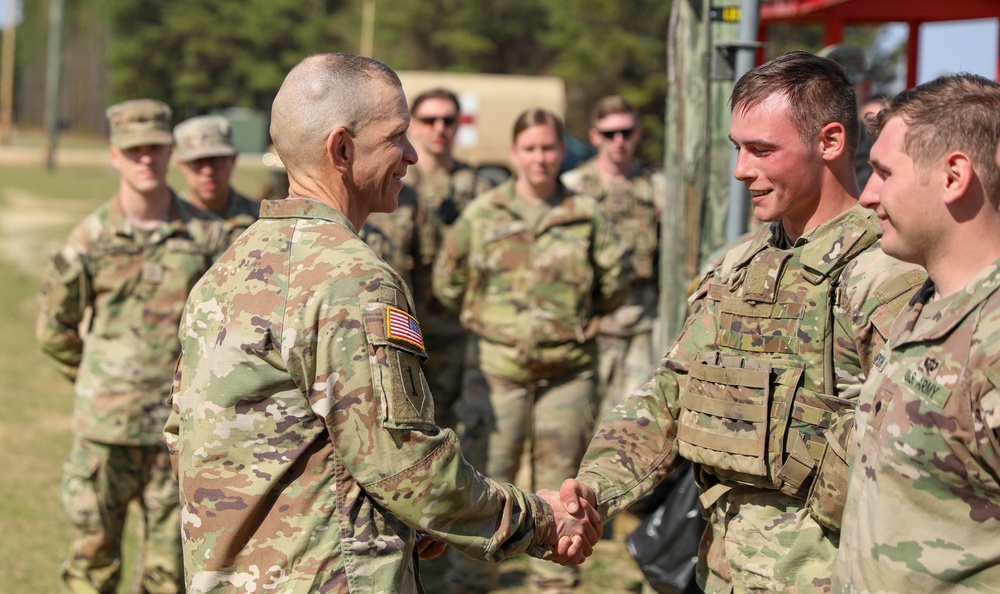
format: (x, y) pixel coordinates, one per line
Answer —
(578, 524)
(577, 529)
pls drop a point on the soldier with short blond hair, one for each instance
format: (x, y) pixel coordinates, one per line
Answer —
(109, 310)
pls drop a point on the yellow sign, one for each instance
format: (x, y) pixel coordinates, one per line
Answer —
(725, 14)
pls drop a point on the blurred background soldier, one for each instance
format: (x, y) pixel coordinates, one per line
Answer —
(633, 197)
(530, 265)
(206, 157)
(124, 275)
(867, 110)
(438, 188)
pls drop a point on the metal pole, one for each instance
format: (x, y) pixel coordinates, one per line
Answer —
(736, 220)
(7, 75)
(52, 79)
(368, 28)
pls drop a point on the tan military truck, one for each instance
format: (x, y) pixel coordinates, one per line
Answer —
(489, 105)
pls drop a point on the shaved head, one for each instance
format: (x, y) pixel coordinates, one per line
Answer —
(323, 92)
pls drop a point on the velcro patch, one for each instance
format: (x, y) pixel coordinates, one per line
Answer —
(403, 327)
(927, 387)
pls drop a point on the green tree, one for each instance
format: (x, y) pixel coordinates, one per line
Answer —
(203, 54)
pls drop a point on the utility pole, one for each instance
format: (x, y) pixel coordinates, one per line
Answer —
(368, 28)
(52, 79)
(736, 219)
(696, 151)
(7, 75)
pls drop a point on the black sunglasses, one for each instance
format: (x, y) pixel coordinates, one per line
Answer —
(430, 121)
(610, 134)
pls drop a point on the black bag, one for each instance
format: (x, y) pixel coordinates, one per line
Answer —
(665, 545)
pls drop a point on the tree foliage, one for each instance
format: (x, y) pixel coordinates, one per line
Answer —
(201, 55)
(204, 54)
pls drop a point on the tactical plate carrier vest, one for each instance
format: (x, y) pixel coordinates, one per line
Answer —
(757, 409)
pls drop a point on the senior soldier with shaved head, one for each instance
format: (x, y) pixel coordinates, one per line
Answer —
(303, 429)
(759, 390)
(206, 157)
(109, 310)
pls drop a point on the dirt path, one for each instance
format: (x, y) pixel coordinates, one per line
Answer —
(27, 225)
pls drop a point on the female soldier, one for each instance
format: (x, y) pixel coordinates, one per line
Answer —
(530, 266)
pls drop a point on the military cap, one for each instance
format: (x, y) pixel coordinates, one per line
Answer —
(139, 122)
(204, 136)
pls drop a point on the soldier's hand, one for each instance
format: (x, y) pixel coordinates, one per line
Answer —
(576, 532)
(429, 547)
(575, 494)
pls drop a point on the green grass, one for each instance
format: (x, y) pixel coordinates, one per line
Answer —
(37, 210)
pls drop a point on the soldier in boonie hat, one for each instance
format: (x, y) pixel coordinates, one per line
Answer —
(204, 136)
(139, 122)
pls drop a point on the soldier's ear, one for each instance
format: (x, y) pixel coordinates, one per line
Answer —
(832, 141)
(957, 178)
(340, 149)
(116, 155)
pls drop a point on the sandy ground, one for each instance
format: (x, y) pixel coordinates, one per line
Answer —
(24, 223)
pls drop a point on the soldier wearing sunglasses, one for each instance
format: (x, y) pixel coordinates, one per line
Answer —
(437, 189)
(632, 196)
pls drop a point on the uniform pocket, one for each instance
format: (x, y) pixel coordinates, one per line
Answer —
(828, 493)
(79, 495)
(724, 416)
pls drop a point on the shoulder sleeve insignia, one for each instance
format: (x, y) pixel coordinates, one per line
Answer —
(400, 325)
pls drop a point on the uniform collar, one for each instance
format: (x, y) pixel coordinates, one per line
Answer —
(931, 320)
(303, 207)
(176, 223)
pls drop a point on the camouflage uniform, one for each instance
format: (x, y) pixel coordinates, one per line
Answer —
(428, 205)
(530, 294)
(922, 510)
(240, 214)
(392, 236)
(109, 309)
(776, 354)
(625, 339)
(303, 428)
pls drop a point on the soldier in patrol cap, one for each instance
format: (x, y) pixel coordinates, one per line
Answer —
(759, 390)
(922, 508)
(206, 157)
(109, 309)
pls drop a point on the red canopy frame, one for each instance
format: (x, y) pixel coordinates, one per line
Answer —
(834, 15)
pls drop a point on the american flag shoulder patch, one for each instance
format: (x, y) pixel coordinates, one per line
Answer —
(400, 325)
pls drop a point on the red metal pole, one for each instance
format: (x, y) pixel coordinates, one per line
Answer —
(762, 34)
(833, 31)
(912, 51)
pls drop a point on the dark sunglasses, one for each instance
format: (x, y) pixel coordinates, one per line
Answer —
(610, 134)
(430, 121)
